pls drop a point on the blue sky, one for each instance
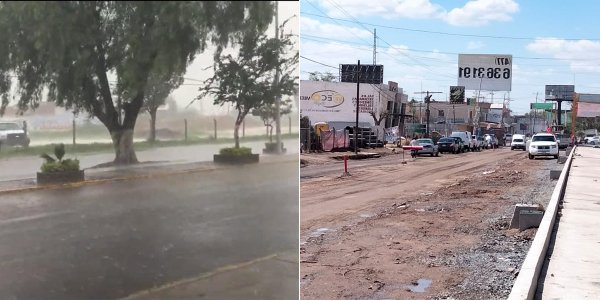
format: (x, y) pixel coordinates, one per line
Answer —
(552, 42)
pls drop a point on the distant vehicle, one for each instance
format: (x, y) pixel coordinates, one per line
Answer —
(492, 140)
(508, 139)
(428, 147)
(543, 144)
(449, 145)
(461, 144)
(477, 144)
(11, 134)
(594, 140)
(564, 140)
(518, 142)
(484, 143)
(466, 137)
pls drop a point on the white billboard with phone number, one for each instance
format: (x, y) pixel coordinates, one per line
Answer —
(488, 72)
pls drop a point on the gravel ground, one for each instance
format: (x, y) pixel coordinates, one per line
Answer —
(494, 263)
(446, 242)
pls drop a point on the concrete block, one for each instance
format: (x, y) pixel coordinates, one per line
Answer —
(562, 159)
(554, 174)
(514, 223)
(530, 219)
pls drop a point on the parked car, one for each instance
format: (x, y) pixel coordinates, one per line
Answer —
(461, 144)
(477, 144)
(595, 140)
(518, 142)
(466, 137)
(448, 144)
(428, 147)
(483, 142)
(11, 134)
(543, 144)
(492, 140)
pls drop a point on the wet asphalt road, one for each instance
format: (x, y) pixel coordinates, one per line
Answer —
(111, 240)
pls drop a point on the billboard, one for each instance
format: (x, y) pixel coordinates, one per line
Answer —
(564, 92)
(457, 94)
(489, 72)
(368, 73)
(324, 101)
(494, 116)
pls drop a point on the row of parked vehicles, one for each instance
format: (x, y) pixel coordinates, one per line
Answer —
(457, 142)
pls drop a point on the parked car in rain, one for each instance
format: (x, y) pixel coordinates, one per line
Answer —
(448, 145)
(11, 134)
(428, 147)
(543, 144)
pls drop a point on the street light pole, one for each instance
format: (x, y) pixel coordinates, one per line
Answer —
(277, 99)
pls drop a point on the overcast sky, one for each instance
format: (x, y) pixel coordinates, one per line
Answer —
(552, 42)
(189, 90)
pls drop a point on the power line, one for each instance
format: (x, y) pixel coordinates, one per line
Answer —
(318, 39)
(449, 33)
(320, 63)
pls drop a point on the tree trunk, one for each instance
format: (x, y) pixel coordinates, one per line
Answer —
(236, 133)
(271, 134)
(152, 137)
(123, 144)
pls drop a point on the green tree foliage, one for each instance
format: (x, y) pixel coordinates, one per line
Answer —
(69, 50)
(247, 81)
(268, 111)
(157, 91)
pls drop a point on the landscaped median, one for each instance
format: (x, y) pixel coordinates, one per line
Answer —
(132, 172)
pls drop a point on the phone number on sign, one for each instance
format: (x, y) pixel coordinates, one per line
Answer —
(474, 72)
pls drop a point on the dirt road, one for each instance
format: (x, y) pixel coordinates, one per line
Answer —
(431, 228)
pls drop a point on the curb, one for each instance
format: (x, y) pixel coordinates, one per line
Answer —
(525, 285)
(214, 167)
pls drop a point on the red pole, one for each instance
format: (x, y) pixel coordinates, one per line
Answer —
(345, 164)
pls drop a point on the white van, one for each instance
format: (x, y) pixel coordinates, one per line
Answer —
(466, 137)
(518, 142)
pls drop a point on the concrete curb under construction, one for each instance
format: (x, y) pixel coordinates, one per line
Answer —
(526, 283)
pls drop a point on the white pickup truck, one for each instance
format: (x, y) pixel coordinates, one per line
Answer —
(11, 134)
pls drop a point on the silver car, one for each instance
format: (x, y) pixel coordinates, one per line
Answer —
(428, 147)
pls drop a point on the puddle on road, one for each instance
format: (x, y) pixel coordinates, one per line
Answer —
(422, 285)
(319, 232)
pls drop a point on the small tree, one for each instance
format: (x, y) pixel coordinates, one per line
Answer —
(247, 81)
(267, 114)
(378, 117)
(156, 95)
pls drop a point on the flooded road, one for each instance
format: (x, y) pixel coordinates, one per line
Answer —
(112, 240)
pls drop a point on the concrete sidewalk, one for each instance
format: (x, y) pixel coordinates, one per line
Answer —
(271, 277)
(574, 264)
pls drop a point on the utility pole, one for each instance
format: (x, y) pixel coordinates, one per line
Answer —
(374, 46)
(357, 107)
(534, 115)
(277, 100)
(427, 111)
(453, 115)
